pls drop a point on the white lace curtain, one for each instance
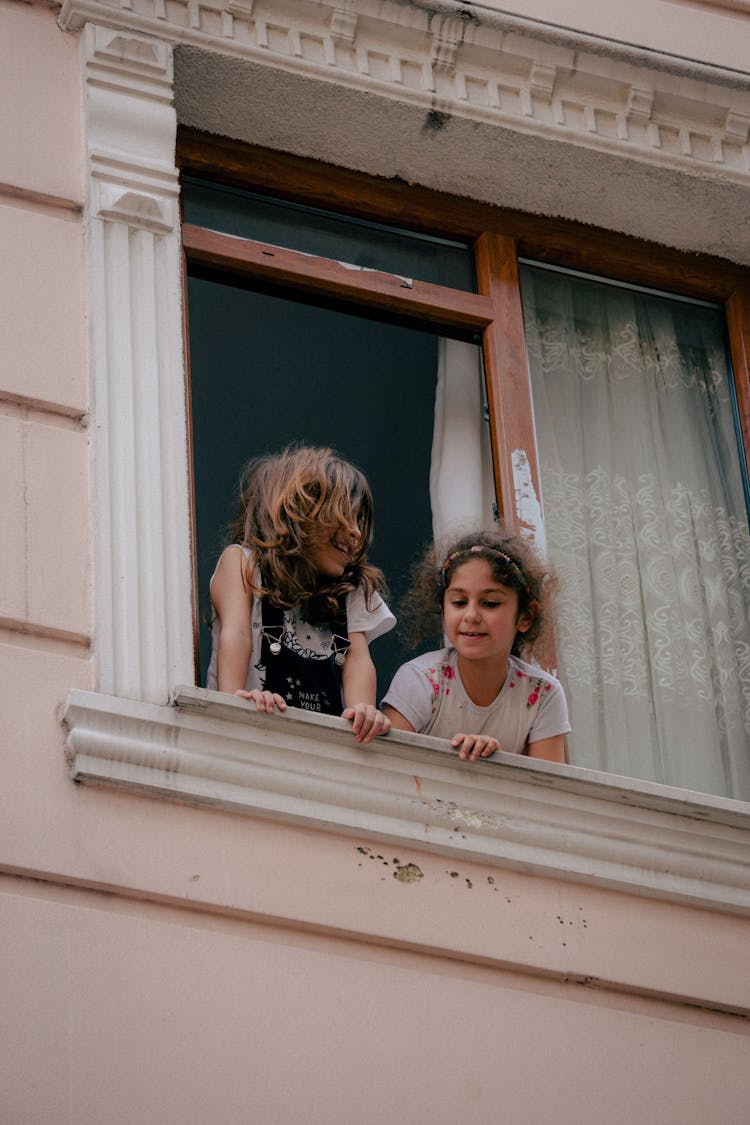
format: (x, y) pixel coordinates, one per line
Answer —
(647, 528)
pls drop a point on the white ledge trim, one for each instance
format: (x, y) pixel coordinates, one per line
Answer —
(536, 817)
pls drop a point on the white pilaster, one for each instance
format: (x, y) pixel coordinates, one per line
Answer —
(141, 503)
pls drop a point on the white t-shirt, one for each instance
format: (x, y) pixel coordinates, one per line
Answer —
(299, 635)
(429, 693)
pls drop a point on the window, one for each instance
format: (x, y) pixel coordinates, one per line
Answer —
(275, 264)
(139, 729)
(398, 390)
(646, 519)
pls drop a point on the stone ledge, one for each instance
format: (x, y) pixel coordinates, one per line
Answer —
(536, 817)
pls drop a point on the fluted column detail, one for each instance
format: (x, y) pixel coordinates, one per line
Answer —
(143, 631)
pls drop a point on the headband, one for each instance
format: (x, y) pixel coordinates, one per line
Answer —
(479, 549)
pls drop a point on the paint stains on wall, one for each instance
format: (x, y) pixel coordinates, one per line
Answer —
(408, 873)
(404, 873)
(435, 121)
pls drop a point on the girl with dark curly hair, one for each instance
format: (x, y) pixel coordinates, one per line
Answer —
(295, 601)
(490, 593)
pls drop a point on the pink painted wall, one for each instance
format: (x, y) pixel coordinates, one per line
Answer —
(44, 376)
(151, 1014)
(161, 963)
(710, 31)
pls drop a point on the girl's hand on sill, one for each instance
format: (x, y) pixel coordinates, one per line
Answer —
(473, 746)
(266, 701)
(368, 722)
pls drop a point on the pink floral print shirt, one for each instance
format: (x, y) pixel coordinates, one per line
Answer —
(429, 693)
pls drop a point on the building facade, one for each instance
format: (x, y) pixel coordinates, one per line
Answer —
(212, 915)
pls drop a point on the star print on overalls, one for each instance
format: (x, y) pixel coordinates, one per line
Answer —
(307, 680)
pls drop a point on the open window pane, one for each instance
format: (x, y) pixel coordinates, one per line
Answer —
(647, 526)
(311, 230)
(268, 370)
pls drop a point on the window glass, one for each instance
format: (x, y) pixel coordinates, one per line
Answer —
(313, 231)
(268, 370)
(646, 520)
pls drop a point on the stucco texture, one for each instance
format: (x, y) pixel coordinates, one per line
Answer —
(463, 156)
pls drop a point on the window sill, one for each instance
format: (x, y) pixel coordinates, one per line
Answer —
(409, 789)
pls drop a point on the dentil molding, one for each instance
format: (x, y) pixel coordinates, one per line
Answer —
(488, 67)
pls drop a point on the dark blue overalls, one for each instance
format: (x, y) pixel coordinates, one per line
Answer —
(312, 683)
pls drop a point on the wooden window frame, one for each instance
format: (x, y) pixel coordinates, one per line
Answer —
(499, 238)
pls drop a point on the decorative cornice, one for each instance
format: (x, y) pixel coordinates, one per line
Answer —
(137, 209)
(119, 56)
(492, 68)
(343, 25)
(447, 32)
(130, 119)
(408, 789)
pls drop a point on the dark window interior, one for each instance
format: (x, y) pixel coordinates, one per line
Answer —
(268, 370)
(368, 245)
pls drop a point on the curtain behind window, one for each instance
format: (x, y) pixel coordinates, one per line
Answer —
(462, 488)
(647, 528)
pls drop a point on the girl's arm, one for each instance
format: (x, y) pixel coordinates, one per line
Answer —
(398, 722)
(233, 603)
(552, 749)
(360, 682)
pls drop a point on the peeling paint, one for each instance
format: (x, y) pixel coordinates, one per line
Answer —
(466, 818)
(406, 282)
(408, 873)
(528, 507)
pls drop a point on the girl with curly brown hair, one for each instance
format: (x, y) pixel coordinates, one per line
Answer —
(295, 601)
(490, 594)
